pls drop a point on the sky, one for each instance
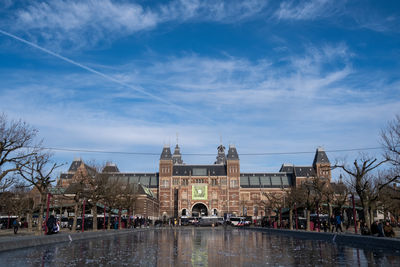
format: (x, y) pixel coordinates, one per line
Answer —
(266, 76)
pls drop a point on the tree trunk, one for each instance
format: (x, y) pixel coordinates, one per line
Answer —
(119, 219)
(366, 212)
(330, 215)
(308, 212)
(291, 219)
(29, 220)
(41, 211)
(75, 216)
(109, 219)
(94, 213)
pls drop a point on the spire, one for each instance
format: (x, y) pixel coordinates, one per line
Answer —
(232, 153)
(166, 153)
(320, 157)
(221, 159)
(177, 157)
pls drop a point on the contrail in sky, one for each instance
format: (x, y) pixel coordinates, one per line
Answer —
(105, 76)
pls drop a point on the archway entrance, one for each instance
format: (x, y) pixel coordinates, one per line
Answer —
(199, 210)
(184, 212)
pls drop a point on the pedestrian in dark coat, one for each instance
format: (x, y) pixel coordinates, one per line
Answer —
(380, 230)
(51, 221)
(339, 223)
(388, 230)
(15, 225)
(332, 221)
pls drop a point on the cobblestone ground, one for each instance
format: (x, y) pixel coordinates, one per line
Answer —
(198, 247)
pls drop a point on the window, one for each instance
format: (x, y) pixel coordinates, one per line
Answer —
(276, 181)
(165, 183)
(185, 181)
(254, 181)
(176, 181)
(199, 181)
(199, 172)
(214, 182)
(233, 183)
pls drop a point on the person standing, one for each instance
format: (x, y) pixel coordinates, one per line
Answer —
(15, 225)
(388, 230)
(339, 222)
(332, 222)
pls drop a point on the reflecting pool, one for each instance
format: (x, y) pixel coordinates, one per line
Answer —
(198, 247)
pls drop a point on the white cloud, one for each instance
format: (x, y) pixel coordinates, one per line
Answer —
(78, 24)
(308, 10)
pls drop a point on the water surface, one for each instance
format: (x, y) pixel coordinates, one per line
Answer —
(198, 247)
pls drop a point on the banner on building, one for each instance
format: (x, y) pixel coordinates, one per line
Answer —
(199, 192)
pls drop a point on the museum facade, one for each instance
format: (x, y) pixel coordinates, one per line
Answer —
(219, 188)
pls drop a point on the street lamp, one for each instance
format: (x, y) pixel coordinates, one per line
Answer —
(295, 209)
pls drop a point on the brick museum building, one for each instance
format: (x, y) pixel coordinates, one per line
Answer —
(214, 189)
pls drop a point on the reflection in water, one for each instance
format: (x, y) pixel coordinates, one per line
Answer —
(197, 247)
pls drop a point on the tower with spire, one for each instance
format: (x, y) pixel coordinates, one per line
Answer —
(177, 157)
(221, 159)
(321, 164)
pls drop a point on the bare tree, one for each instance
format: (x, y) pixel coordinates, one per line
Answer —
(363, 182)
(38, 172)
(16, 146)
(130, 197)
(308, 199)
(97, 190)
(389, 198)
(111, 197)
(391, 141)
(275, 201)
(293, 197)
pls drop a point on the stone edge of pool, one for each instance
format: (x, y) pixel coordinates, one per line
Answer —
(19, 242)
(342, 239)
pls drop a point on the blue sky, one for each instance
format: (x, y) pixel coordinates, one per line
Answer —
(266, 76)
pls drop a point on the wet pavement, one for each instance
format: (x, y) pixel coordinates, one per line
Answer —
(198, 247)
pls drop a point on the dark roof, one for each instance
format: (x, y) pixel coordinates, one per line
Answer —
(266, 180)
(75, 165)
(232, 153)
(298, 171)
(149, 180)
(74, 188)
(304, 171)
(287, 168)
(66, 175)
(110, 168)
(166, 153)
(320, 156)
(199, 170)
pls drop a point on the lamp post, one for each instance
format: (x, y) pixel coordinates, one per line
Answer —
(318, 222)
(47, 212)
(104, 219)
(295, 210)
(354, 213)
(83, 215)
